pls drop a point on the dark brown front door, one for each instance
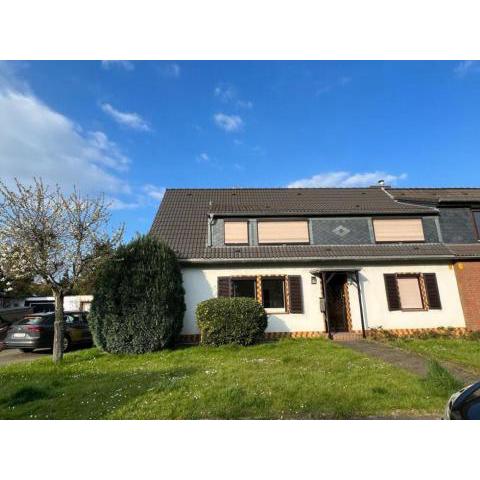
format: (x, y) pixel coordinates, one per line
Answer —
(336, 302)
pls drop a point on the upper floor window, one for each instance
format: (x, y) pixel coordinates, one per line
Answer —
(476, 216)
(283, 231)
(236, 232)
(398, 230)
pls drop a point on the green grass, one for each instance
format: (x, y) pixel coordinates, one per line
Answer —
(296, 379)
(465, 352)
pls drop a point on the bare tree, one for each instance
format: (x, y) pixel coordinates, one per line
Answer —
(53, 237)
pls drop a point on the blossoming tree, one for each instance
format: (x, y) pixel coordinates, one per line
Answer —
(53, 237)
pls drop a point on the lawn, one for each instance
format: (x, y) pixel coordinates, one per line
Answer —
(465, 352)
(296, 379)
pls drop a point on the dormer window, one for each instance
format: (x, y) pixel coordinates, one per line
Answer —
(476, 217)
(283, 231)
(398, 230)
(236, 232)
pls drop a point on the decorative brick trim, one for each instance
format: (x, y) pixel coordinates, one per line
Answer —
(194, 339)
(348, 310)
(404, 332)
(277, 335)
(189, 339)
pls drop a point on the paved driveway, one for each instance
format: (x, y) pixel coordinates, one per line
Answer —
(15, 356)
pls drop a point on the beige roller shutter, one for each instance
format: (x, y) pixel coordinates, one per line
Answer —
(398, 230)
(290, 231)
(409, 291)
(236, 232)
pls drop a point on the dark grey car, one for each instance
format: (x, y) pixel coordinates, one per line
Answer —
(36, 331)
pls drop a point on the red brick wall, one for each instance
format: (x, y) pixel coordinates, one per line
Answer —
(468, 280)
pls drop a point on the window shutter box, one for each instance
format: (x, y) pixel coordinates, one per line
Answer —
(431, 288)
(223, 286)
(296, 297)
(393, 297)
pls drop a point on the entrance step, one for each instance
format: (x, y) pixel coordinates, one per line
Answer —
(345, 336)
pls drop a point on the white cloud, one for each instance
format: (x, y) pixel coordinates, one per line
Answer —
(171, 70)
(225, 92)
(229, 123)
(347, 179)
(37, 141)
(203, 158)
(125, 64)
(228, 94)
(154, 192)
(466, 67)
(131, 120)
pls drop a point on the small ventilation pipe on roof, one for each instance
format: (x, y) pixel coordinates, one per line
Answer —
(380, 184)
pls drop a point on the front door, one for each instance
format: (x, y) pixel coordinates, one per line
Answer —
(336, 302)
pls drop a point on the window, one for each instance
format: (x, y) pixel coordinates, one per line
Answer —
(410, 293)
(476, 217)
(288, 231)
(273, 292)
(273, 295)
(236, 232)
(244, 287)
(398, 230)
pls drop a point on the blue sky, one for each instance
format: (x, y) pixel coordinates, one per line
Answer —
(130, 129)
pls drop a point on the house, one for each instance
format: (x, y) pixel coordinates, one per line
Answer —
(330, 260)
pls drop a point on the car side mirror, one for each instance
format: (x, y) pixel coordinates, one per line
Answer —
(465, 404)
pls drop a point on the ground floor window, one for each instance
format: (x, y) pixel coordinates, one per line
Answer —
(244, 287)
(410, 292)
(278, 294)
(273, 292)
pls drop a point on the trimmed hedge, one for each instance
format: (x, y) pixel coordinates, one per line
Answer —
(138, 302)
(227, 320)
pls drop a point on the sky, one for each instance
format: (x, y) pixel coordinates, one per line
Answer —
(130, 129)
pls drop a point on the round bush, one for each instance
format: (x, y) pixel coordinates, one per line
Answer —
(226, 320)
(138, 302)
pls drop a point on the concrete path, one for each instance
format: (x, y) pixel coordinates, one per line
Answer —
(410, 361)
(15, 356)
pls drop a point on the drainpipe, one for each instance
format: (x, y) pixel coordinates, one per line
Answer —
(357, 278)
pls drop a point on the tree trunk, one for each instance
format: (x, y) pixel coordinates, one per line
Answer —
(58, 328)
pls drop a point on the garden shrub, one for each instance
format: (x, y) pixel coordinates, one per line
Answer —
(227, 320)
(138, 302)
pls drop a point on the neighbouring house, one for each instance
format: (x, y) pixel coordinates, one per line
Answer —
(71, 303)
(330, 260)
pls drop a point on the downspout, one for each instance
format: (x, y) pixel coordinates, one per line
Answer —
(327, 321)
(357, 279)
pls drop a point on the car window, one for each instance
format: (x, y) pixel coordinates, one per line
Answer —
(40, 320)
(69, 319)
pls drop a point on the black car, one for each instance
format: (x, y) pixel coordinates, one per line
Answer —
(36, 331)
(465, 404)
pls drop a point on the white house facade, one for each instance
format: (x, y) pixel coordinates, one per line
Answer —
(328, 261)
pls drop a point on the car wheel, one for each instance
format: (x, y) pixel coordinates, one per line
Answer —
(66, 343)
(26, 350)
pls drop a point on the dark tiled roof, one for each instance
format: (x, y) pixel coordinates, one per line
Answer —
(465, 249)
(437, 195)
(324, 252)
(181, 220)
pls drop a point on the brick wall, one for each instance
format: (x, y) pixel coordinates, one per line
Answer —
(468, 280)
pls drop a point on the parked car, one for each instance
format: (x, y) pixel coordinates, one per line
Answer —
(4, 326)
(465, 404)
(36, 331)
